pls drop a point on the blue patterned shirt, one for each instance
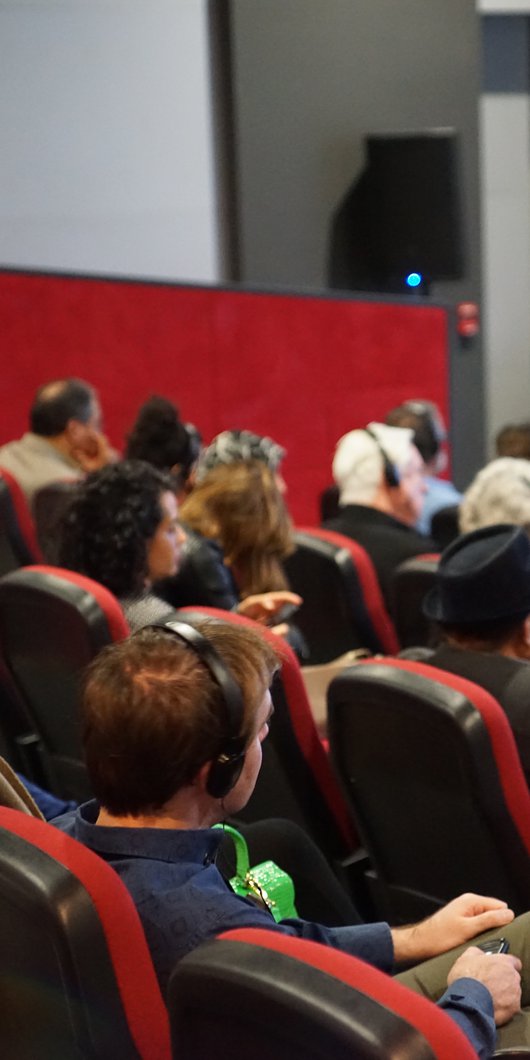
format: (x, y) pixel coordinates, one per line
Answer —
(183, 900)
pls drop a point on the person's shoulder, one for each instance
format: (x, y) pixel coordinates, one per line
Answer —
(66, 822)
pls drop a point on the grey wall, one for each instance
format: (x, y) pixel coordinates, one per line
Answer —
(311, 78)
(505, 171)
(107, 160)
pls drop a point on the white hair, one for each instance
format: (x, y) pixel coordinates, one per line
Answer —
(499, 493)
(358, 463)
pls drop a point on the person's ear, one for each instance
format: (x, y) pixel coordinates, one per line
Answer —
(526, 632)
(200, 780)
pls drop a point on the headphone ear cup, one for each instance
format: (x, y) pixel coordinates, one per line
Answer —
(224, 775)
(392, 477)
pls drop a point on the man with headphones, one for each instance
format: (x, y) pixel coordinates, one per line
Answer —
(425, 419)
(380, 475)
(174, 720)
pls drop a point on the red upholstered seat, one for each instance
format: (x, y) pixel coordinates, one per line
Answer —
(76, 974)
(18, 540)
(432, 772)
(298, 999)
(342, 603)
(296, 779)
(52, 623)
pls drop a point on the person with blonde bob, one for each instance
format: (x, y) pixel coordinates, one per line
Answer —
(238, 533)
(241, 507)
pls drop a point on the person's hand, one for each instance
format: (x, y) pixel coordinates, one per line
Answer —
(263, 607)
(499, 972)
(281, 631)
(95, 452)
(460, 920)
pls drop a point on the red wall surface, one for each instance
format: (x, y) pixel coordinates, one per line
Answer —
(302, 369)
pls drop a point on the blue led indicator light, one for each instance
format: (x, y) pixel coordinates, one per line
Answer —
(414, 279)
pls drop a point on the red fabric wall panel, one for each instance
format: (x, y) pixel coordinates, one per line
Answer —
(302, 369)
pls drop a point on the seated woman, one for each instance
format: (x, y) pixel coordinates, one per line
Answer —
(161, 438)
(122, 529)
(238, 531)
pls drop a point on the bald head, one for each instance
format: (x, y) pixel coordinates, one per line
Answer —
(58, 402)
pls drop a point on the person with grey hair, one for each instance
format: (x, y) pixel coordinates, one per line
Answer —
(380, 475)
(236, 447)
(499, 493)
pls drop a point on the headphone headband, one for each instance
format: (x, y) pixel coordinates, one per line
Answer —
(390, 471)
(226, 769)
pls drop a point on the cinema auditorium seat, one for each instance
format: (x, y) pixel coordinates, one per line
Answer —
(18, 541)
(52, 623)
(411, 582)
(342, 603)
(269, 996)
(429, 764)
(76, 978)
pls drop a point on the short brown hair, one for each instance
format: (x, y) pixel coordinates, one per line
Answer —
(514, 440)
(153, 715)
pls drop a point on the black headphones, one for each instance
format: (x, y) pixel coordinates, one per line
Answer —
(226, 769)
(390, 471)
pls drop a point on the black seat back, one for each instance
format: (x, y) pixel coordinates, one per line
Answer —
(430, 766)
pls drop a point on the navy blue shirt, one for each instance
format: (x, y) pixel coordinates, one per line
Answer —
(183, 900)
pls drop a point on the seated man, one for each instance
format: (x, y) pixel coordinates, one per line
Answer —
(380, 475)
(481, 601)
(173, 728)
(64, 439)
(425, 419)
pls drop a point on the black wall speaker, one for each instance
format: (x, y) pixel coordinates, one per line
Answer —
(401, 220)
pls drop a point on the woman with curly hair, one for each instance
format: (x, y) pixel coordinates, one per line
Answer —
(122, 530)
(161, 438)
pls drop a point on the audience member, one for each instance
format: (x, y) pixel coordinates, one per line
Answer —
(425, 419)
(499, 493)
(239, 511)
(235, 447)
(481, 602)
(171, 749)
(514, 440)
(122, 529)
(64, 440)
(379, 473)
(161, 438)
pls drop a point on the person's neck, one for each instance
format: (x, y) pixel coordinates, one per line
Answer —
(59, 442)
(508, 650)
(172, 815)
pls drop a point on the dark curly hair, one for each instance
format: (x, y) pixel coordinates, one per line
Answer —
(113, 515)
(160, 437)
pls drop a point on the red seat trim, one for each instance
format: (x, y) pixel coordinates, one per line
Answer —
(373, 598)
(23, 514)
(109, 604)
(137, 983)
(444, 1036)
(511, 776)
